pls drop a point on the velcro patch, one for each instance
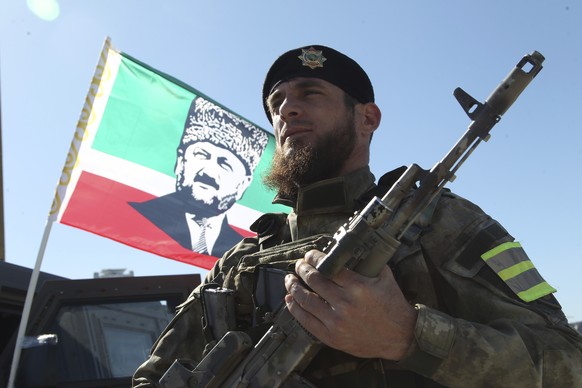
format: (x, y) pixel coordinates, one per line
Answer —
(511, 264)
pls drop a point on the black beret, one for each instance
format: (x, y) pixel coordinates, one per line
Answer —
(319, 62)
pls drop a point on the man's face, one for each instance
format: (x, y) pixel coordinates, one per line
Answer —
(211, 176)
(305, 110)
(315, 132)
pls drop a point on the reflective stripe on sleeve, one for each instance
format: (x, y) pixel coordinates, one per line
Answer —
(511, 264)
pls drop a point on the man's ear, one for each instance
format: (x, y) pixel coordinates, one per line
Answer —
(179, 166)
(372, 117)
(179, 169)
(243, 186)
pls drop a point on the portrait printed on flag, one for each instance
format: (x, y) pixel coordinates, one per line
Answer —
(158, 166)
(215, 161)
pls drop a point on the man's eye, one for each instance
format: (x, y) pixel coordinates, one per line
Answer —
(199, 153)
(274, 107)
(311, 92)
(223, 162)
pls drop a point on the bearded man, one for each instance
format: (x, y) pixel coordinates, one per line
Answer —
(444, 312)
(217, 155)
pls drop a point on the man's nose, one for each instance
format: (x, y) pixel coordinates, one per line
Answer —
(210, 168)
(290, 107)
(209, 175)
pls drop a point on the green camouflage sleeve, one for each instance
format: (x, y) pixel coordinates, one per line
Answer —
(505, 353)
(496, 322)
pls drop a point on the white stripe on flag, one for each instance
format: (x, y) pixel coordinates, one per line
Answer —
(128, 173)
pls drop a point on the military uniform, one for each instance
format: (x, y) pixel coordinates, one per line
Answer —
(485, 316)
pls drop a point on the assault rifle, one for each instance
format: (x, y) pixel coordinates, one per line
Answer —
(365, 244)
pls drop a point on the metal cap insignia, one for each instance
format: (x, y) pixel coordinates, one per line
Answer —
(312, 58)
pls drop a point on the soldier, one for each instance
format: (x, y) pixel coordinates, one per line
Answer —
(444, 312)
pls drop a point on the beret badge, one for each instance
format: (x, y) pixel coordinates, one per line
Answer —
(312, 58)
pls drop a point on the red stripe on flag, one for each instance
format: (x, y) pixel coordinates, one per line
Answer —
(100, 205)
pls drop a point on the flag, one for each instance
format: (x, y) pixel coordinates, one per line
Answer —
(159, 166)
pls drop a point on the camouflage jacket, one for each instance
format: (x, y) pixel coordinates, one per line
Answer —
(476, 327)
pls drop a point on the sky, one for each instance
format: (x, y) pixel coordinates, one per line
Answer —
(415, 52)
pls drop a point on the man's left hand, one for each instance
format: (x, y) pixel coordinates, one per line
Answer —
(365, 317)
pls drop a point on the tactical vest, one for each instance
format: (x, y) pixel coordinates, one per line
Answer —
(257, 279)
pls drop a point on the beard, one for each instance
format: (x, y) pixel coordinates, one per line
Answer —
(302, 164)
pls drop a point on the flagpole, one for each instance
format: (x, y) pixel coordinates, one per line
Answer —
(28, 305)
(56, 206)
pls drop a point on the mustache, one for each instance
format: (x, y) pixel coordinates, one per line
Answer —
(206, 179)
(292, 122)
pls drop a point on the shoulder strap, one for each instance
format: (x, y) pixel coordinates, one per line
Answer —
(384, 184)
(271, 230)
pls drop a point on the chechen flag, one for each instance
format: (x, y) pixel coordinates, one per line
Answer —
(158, 166)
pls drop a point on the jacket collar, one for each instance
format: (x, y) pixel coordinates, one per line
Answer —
(331, 195)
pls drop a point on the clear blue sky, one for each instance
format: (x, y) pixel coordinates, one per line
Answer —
(416, 52)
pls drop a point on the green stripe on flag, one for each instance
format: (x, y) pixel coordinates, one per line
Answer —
(144, 118)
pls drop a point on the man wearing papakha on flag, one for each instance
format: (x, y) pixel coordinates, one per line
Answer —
(215, 161)
(440, 314)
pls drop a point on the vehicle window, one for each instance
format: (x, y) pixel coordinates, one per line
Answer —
(107, 340)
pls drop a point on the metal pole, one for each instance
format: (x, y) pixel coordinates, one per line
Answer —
(28, 305)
